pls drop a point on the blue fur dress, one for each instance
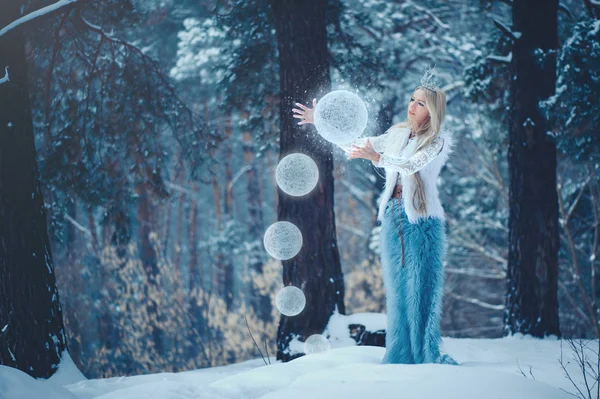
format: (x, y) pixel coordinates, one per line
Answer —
(413, 292)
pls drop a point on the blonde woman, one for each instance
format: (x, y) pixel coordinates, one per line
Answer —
(412, 239)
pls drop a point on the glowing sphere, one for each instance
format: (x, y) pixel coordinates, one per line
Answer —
(290, 300)
(340, 117)
(297, 174)
(283, 240)
(316, 343)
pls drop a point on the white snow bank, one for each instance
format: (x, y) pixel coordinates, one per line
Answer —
(489, 368)
(15, 384)
(67, 372)
(188, 384)
(356, 373)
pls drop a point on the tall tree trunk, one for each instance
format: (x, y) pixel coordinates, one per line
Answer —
(255, 211)
(228, 144)
(193, 263)
(195, 276)
(32, 335)
(531, 300)
(178, 243)
(260, 304)
(217, 201)
(149, 262)
(303, 62)
(226, 286)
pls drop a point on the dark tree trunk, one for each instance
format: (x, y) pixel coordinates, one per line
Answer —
(32, 335)
(178, 242)
(226, 288)
(260, 303)
(145, 216)
(255, 207)
(302, 44)
(228, 144)
(194, 277)
(531, 300)
(149, 260)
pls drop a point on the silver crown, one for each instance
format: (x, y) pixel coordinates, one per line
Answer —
(429, 80)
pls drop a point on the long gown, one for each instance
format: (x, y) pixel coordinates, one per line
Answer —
(414, 290)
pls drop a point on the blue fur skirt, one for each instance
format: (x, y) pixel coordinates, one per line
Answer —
(414, 290)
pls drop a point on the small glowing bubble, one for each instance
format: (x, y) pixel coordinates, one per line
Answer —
(290, 301)
(316, 343)
(297, 174)
(283, 240)
(340, 117)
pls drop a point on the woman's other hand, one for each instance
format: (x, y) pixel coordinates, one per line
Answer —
(305, 114)
(366, 152)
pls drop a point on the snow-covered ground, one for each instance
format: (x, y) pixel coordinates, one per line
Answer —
(489, 368)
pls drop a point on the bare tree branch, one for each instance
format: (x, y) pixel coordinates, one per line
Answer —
(572, 302)
(474, 273)
(470, 243)
(575, 268)
(514, 36)
(475, 301)
(357, 193)
(37, 14)
(563, 365)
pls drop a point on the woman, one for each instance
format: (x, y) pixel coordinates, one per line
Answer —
(412, 240)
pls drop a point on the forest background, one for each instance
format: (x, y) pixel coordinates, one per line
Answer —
(157, 130)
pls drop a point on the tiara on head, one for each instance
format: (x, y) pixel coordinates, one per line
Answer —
(428, 80)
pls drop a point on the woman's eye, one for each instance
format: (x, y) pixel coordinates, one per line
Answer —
(421, 104)
(412, 99)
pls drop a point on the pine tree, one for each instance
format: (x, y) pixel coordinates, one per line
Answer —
(32, 335)
(304, 69)
(531, 301)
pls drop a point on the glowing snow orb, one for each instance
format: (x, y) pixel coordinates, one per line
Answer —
(316, 343)
(290, 301)
(283, 240)
(297, 174)
(340, 117)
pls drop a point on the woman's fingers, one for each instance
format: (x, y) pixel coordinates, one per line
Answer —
(303, 113)
(357, 148)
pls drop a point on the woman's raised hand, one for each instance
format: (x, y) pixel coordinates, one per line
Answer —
(366, 152)
(305, 114)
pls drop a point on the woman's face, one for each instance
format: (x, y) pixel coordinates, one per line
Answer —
(417, 111)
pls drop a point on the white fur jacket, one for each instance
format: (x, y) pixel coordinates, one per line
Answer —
(400, 162)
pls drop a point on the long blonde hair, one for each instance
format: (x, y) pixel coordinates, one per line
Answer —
(435, 102)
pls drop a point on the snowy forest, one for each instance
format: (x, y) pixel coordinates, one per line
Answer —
(139, 142)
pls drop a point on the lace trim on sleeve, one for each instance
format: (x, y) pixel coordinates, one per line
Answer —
(416, 162)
